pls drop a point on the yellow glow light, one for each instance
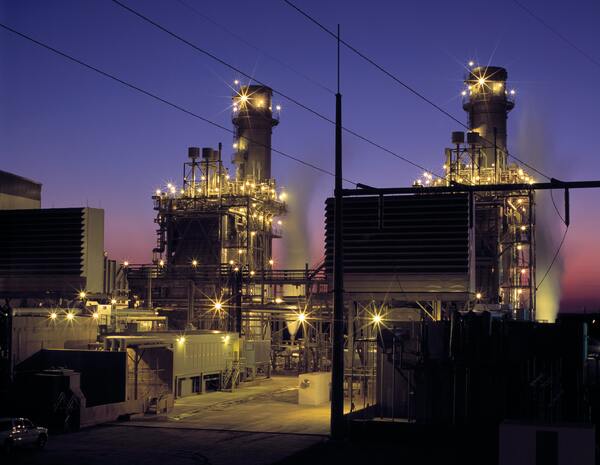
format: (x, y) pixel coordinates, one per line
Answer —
(181, 340)
(95, 315)
(218, 306)
(478, 295)
(271, 262)
(278, 300)
(125, 263)
(194, 262)
(53, 315)
(377, 319)
(82, 295)
(161, 263)
(301, 317)
(70, 316)
(252, 273)
(113, 301)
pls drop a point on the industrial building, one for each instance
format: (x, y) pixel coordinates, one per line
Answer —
(433, 274)
(439, 290)
(213, 266)
(18, 193)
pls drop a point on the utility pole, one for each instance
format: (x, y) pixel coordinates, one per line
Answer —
(337, 365)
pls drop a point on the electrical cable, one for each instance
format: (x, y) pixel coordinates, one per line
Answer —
(162, 100)
(256, 48)
(553, 259)
(402, 83)
(556, 208)
(558, 34)
(285, 96)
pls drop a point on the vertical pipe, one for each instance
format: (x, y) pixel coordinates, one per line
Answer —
(567, 209)
(351, 350)
(532, 266)
(238, 301)
(495, 154)
(337, 365)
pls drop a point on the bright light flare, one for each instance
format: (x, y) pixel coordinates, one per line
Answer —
(70, 316)
(53, 315)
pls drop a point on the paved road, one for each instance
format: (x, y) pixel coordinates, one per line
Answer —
(269, 406)
(115, 445)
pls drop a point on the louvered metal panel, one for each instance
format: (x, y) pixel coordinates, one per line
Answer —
(51, 250)
(406, 234)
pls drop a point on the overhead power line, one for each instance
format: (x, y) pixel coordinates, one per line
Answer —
(562, 37)
(285, 96)
(553, 258)
(162, 100)
(254, 47)
(399, 81)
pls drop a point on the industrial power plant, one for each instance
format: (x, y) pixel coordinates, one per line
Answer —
(436, 325)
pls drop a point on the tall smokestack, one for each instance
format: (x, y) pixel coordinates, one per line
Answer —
(253, 119)
(488, 103)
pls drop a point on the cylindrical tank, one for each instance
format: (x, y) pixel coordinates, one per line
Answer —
(253, 121)
(193, 152)
(488, 104)
(458, 137)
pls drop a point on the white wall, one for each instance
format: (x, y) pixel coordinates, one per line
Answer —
(33, 333)
(93, 256)
(14, 202)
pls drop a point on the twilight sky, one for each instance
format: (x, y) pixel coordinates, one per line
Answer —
(91, 141)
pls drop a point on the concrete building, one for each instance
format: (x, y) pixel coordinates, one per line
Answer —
(177, 364)
(18, 193)
(35, 329)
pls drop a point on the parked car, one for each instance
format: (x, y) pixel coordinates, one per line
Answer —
(19, 432)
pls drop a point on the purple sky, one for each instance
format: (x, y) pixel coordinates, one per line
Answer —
(92, 141)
